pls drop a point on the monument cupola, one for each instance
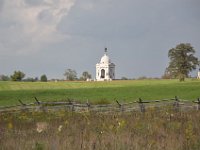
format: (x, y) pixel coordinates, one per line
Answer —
(105, 70)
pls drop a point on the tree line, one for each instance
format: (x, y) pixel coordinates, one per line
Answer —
(20, 76)
(182, 62)
(70, 75)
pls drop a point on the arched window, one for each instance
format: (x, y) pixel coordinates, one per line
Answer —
(103, 73)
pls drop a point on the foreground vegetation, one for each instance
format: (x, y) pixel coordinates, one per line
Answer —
(163, 130)
(11, 92)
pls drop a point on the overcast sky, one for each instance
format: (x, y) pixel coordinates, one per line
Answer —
(49, 36)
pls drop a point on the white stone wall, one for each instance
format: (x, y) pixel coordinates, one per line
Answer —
(198, 76)
(109, 71)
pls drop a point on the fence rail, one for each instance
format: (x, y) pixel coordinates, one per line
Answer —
(139, 105)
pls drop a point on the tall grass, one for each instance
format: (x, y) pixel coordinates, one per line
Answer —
(69, 130)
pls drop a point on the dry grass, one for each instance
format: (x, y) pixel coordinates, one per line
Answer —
(62, 130)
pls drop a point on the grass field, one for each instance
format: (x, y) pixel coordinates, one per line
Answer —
(11, 92)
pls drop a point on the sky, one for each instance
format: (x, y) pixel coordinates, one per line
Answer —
(50, 36)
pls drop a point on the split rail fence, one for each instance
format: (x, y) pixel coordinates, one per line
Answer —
(175, 104)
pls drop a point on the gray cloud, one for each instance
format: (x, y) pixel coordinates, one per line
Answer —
(28, 29)
(45, 16)
(1, 4)
(49, 36)
(34, 2)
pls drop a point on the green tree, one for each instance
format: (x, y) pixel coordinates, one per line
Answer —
(29, 79)
(17, 76)
(85, 76)
(4, 78)
(70, 74)
(182, 61)
(124, 78)
(43, 78)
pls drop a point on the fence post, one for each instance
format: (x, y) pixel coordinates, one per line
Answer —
(71, 105)
(37, 101)
(23, 108)
(21, 103)
(120, 106)
(141, 105)
(41, 106)
(88, 106)
(198, 103)
(176, 104)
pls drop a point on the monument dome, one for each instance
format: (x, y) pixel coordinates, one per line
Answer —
(105, 70)
(105, 59)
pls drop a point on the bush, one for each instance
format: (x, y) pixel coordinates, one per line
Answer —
(43, 78)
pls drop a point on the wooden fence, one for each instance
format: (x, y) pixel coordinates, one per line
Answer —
(175, 104)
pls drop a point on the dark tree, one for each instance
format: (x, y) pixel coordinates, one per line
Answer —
(17, 76)
(182, 61)
(29, 79)
(124, 78)
(43, 78)
(70, 74)
(85, 76)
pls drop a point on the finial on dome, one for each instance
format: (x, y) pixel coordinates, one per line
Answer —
(106, 50)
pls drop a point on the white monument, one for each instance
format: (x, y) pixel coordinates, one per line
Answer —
(105, 70)
(198, 75)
